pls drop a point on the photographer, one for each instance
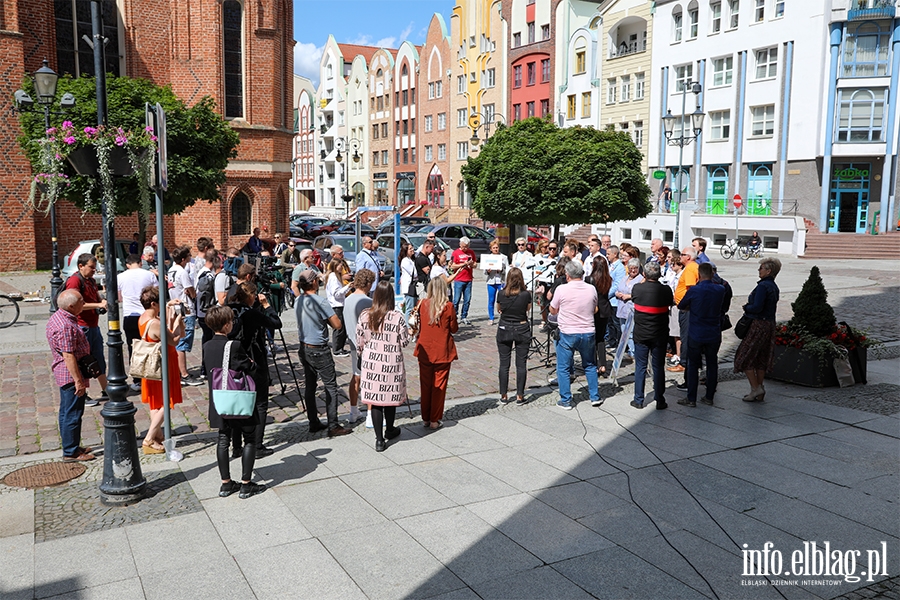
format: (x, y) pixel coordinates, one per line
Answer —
(270, 280)
(250, 322)
(181, 287)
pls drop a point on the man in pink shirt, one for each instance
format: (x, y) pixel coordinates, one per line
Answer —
(575, 303)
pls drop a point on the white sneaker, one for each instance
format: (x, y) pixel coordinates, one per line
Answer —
(354, 415)
(135, 387)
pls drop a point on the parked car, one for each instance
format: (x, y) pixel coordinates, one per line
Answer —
(406, 224)
(534, 236)
(350, 229)
(95, 247)
(315, 231)
(479, 239)
(348, 243)
(386, 243)
(300, 227)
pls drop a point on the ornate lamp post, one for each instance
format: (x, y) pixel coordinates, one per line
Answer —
(45, 80)
(683, 140)
(480, 119)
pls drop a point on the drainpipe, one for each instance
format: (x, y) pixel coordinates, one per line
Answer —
(663, 107)
(785, 114)
(742, 99)
(835, 42)
(886, 222)
(699, 140)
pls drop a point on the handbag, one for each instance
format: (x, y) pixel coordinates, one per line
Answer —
(743, 326)
(89, 367)
(146, 359)
(725, 323)
(234, 393)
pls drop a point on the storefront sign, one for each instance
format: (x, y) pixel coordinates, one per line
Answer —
(379, 176)
(718, 188)
(659, 174)
(850, 173)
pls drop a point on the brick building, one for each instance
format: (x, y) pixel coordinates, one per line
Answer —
(239, 53)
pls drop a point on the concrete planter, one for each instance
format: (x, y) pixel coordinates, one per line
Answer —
(799, 367)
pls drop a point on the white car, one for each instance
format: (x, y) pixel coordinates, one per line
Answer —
(95, 247)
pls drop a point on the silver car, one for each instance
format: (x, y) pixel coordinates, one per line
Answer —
(348, 243)
(95, 247)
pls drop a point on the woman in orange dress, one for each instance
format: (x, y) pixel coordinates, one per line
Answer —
(151, 390)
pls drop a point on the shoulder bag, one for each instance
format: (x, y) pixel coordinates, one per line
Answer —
(742, 326)
(146, 359)
(234, 393)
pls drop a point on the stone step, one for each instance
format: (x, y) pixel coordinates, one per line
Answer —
(834, 245)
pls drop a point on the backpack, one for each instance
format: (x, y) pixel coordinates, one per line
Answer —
(206, 291)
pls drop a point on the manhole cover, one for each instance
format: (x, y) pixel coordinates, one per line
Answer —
(44, 475)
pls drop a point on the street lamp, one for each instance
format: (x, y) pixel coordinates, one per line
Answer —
(475, 123)
(45, 80)
(683, 140)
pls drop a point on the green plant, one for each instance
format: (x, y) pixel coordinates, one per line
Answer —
(812, 313)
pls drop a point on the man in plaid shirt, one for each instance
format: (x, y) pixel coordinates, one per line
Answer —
(68, 343)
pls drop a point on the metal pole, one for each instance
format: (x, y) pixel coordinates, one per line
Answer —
(680, 174)
(163, 317)
(397, 251)
(123, 483)
(56, 281)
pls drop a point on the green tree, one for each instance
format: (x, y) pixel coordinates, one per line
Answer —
(199, 142)
(812, 313)
(535, 172)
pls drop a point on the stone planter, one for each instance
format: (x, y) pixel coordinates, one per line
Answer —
(802, 368)
(85, 162)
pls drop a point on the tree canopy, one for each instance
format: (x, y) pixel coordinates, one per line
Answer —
(199, 141)
(535, 172)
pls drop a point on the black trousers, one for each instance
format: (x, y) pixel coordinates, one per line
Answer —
(132, 332)
(262, 404)
(339, 336)
(380, 415)
(248, 456)
(505, 349)
(207, 336)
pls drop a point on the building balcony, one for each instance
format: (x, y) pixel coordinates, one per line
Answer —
(866, 10)
(626, 49)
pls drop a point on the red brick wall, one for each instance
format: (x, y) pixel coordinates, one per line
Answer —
(176, 43)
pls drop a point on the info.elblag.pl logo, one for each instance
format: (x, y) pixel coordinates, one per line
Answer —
(815, 560)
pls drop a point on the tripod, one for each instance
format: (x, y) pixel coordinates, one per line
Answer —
(536, 346)
(290, 365)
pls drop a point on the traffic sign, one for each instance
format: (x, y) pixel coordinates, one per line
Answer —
(738, 201)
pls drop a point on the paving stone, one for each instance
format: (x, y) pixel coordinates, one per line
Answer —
(328, 506)
(57, 576)
(396, 493)
(544, 582)
(246, 527)
(460, 481)
(520, 471)
(17, 574)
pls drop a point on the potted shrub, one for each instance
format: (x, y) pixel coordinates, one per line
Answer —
(808, 346)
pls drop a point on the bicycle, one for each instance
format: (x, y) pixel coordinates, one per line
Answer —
(746, 251)
(9, 309)
(730, 248)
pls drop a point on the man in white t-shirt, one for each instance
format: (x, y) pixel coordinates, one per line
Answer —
(181, 287)
(132, 282)
(594, 249)
(207, 296)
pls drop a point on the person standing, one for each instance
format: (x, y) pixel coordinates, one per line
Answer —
(594, 251)
(522, 259)
(290, 256)
(673, 274)
(89, 317)
(440, 270)
(463, 261)
(132, 282)
(181, 287)
(381, 335)
(704, 303)
(314, 315)
(514, 330)
(602, 282)
(425, 263)
(151, 390)
(688, 279)
(651, 300)
(618, 274)
(221, 319)
(134, 246)
(337, 286)
(68, 344)
(665, 200)
(366, 259)
(408, 278)
(626, 306)
(206, 297)
(356, 302)
(436, 350)
(575, 303)
(699, 244)
(755, 352)
(495, 278)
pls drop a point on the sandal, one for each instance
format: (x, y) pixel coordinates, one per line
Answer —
(150, 448)
(437, 425)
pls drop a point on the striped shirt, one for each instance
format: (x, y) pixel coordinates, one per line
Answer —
(64, 335)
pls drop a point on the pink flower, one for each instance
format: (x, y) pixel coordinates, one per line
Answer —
(67, 125)
(121, 140)
(90, 131)
(69, 140)
(51, 131)
(154, 138)
(148, 129)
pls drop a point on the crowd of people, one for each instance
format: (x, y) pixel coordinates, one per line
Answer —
(665, 309)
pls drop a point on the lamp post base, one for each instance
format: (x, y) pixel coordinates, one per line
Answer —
(123, 483)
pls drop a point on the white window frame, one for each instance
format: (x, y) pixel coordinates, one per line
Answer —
(442, 121)
(778, 11)
(762, 121)
(861, 110)
(429, 154)
(723, 71)
(462, 117)
(683, 74)
(460, 84)
(489, 78)
(626, 88)
(759, 11)
(638, 86)
(715, 17)
(693, 23)
(719, 125)
(442, 152)
(431, 91)
(767, 59)
(611, 89)
(734, 14)
(429, 123)
(462, 150)
(638, 134)
(677, 25)
(438, 89)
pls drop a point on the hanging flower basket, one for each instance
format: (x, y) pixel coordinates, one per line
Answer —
(85, 161)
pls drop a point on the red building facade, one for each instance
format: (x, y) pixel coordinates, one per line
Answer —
(239, 53)
(532, 27)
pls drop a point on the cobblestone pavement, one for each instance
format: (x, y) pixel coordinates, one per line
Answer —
(889, 588)
(867, 294)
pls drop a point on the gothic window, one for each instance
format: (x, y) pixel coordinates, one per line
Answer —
(240, 214)
(233, 50)
(73, 20)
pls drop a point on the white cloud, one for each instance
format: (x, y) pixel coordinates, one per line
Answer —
(306, 60)
(388, 42)
(404, 35)
(361, 40)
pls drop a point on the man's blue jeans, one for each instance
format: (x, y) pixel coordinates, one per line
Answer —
(493, 290)
(462, 290)
(568, 344)
(710, 351)
(71, 410)
(656, 351)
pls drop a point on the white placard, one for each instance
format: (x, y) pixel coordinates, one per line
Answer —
(492, 262)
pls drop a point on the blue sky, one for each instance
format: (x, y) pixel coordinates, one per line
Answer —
(368, 22)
